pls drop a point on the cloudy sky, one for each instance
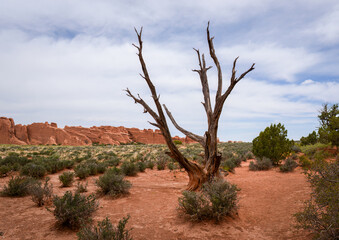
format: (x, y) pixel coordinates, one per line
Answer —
(68, 61)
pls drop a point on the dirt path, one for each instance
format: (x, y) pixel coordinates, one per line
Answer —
(267, 202)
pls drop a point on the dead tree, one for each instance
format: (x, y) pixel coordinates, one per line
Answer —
(197, 174)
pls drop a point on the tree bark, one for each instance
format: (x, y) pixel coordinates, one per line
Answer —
(212, 158)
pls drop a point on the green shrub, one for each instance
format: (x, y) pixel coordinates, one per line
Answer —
(249, 155)
(171, 166)
(17, 187)
(228, 165)
(321, 212)
(101, 167)
(74, 211)
(41, 193)
(216, 200)
(129, 168)
(141, 166)
(177, 142)
(150, 164)
(106, 231)
(33, 170)
(272, 143)
(261, 164)
(296, 149)
(4, 170)
(82, 172)
(161, 163)
(92, 167)
(311, 139)
(113, 184)
(66, 178)
(81, 188)
(289, 165)
(305, 162)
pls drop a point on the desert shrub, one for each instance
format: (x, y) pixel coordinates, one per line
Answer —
(310, 150)
(305, 162)
(228, 165)
(177, 142)
(272, 143)
(101, 167)
(171, 166)
(14, 159)
(141, 166)
(150, 164)
(113, 184)
(289, 165)
(66, 178)
(41, 193)
(161, 163)
(74, 210)
(216, 200)
(4, 170)
(249, 155)
(261, 164)
(33, 170)
(17, 187)
(296, 149)
(294, 156)
(129, 168)
(92, 168)
(81, 187)
(321, 212)
(105, 230)
(81, 172)
(112, 162)
(68, 164)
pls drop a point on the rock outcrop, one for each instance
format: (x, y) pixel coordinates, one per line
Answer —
(50, 134)
(7, 132)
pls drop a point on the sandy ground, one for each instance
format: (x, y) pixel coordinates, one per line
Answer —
(267, 202)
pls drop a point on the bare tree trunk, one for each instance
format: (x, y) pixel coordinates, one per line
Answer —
(197, 174)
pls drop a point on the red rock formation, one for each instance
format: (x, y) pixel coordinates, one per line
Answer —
(147, 136)
(50, 134)
(7, 132)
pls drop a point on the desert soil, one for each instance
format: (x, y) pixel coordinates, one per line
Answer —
(267, 203)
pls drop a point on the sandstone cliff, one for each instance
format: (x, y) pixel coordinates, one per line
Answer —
(50, 134)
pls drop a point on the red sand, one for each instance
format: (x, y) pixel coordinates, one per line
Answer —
(268, 200)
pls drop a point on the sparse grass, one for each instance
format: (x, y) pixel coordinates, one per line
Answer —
(105, 230)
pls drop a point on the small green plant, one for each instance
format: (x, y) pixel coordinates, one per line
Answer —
(82, 172)
(33, 170)
(81, 188)
(305, 162)
(66, 178)
(161, 163)
(216, 200)
(141, 166)
(129, 168)
(113, 184)
(17, 187)
(41, 194)
(150, 164)
(4, 170)
(177, 142)
(289, 165)
(261, 164)
(74, 210)
(105, 230)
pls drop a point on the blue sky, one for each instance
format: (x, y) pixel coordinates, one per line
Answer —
(69, 61)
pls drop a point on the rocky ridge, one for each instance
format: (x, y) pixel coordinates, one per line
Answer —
(49, 134)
